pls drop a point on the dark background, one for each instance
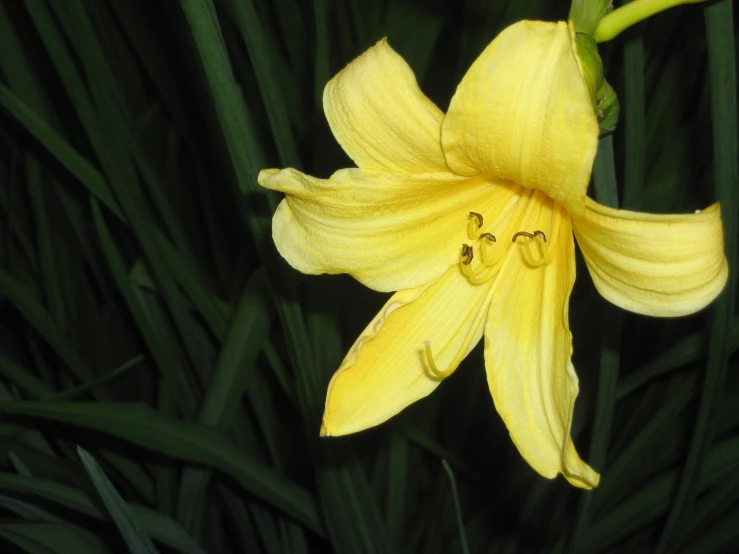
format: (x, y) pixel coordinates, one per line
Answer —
(146, 317)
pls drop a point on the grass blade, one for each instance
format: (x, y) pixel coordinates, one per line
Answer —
(722, 73)
(457, 507)
(264, 59)
(26, 302)
(604, 176)
(156, 525)
(249, 326)
(634, 112)
(140, 425)
(135, 537)
(50, 538)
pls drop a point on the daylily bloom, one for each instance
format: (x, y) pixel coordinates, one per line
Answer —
(470, 216)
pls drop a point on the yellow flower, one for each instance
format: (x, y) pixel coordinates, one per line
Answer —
(470, 217)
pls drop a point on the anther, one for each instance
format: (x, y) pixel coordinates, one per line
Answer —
(432, 365)
(467, 254)
(489, 236)
(523, 234)
(474, 225)
(478, 217)
(541, 235)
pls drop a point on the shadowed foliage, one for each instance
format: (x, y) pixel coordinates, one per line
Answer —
(163, 371)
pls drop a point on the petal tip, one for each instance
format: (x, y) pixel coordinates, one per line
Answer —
(659, 265)
(583, 476)
(379, 115)
(323, 432)
(265, 174)
(332, 426)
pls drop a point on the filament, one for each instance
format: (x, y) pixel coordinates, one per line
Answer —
(545, 254)
(487, 250)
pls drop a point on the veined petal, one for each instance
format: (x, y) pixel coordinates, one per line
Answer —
(391, 231)
(659, 265)
(381, 118)
(523, 113)
(528, 346)
(387, 369)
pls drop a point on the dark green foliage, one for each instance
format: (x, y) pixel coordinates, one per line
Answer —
(146, 316)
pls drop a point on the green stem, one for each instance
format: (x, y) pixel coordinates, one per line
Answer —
(614, 23)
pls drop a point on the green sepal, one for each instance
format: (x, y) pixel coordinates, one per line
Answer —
(591, 64)
(602, 95)
(607, 109)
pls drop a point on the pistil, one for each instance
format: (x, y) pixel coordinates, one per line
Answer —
(432, 364)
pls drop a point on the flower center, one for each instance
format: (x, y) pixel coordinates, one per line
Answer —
(527, 226)
(523, 221)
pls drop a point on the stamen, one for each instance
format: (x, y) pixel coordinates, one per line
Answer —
(545, 255)
(542, 242)
(467, 254)
(467, 270)
(474, 225)
(489, 236)
(432, 365)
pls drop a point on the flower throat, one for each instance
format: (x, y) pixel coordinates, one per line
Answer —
(481, 260)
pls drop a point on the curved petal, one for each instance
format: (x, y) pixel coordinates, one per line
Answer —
(528, 346)
(390, 231)
(523, 113)
(387, 370)
(381, 118)
(659, 265)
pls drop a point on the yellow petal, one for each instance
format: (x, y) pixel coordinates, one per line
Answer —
(386, 369)
(527, 355)
(381, 118)
(390, 231)
(523, 113)
(659, 265)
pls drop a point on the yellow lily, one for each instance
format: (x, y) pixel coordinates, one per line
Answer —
(470, 216)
